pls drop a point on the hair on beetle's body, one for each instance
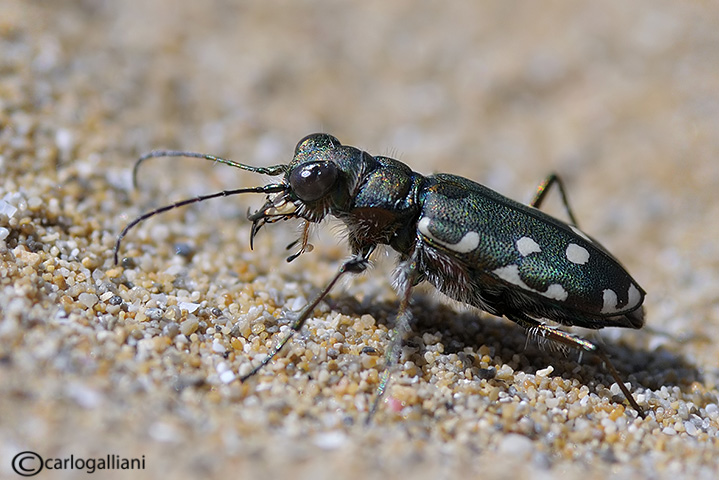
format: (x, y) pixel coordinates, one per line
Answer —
(471, 243)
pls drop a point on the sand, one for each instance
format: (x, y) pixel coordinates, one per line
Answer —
(142, 361)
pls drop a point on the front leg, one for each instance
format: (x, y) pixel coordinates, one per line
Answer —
(356, 264)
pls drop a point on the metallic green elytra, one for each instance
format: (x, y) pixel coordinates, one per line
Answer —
(503, 250)
(473, 244)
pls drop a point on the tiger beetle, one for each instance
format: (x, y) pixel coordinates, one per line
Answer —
(473, 244)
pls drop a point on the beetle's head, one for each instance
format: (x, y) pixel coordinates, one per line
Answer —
(320, 180)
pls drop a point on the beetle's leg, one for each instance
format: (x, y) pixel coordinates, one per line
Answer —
(356, 264)
(406, 277)
(564, 338)
(305, 246)
(543, 189)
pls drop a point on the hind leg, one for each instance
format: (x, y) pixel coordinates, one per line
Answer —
(567, 339)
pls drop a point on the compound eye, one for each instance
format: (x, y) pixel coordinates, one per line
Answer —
(313, 181)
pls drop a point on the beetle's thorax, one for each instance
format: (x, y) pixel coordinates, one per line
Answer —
(375, 197)
(384, 206)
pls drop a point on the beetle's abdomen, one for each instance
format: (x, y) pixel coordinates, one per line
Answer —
(517, 257)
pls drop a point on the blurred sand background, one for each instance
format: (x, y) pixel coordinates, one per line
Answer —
(620, 98)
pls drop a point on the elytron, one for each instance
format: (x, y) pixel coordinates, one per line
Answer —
(471, 243)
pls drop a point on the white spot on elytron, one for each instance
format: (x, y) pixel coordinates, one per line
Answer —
(556, 292)
(581, 233)
(577, 254)
(634, 296)
(609, 297)
(469, 242)
(510, 274)
(527, 246)
(423, 227)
